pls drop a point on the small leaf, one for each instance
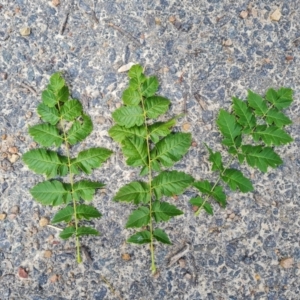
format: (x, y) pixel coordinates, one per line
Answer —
(171, 148)
(80, 130)
(119, 133)
(66, 214)
(85, 189)
(257, 103)
(149, 86)
(56, 81)
(49, 98)
(63, 94)
(46, 135)
(203, 186)
(198, 201)
(163, 211)
(128, 116)
(50, 193)
(277, 117)
(71, 110)
(90, 159)
(139, 217)
(63, 169)
(161, 236)
(87, 231)
(135, 191)
(87, 212)
(135, 71)
(67, 232)
(131, 97)
(160, 129)
(156, 106)
(42, 161)
(216, 159)
(229, 128)
(48, 114)
(261, 157)
(170, 183)
(142, 237)
(236, 179)
(245, 115)
(280, 99)
(135, 149)
(271, 135)
(219, 195)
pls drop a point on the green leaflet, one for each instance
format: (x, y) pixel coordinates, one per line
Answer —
(257, 103)
(135, 71)
(277, 117)
(51, 193)
(63, 215)
(271, 135)
(229, 128)
(119, 133)
(49, 98)
(149, 86)
(171, 148)
(170, 183)
(67, 232)
(56, 82)
(244, 114)
(236, 179)
(136, 191)
(142, 237)
(261, 157)
(128, 116)
(135, 149)
(42, 161)
(200, 202)
(216, 159)
(156, 106)
(85, 230)
(161, 236)
(87, 212)
(163, 211)
(139, 217)
(85, 189)
(80, 130)
(90, 159)
(160, 129)
(280, 99)
(48, 114)
(131, 97)
(71, 110)
(46, 135)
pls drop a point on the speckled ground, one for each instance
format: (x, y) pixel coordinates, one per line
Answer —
(203, 51)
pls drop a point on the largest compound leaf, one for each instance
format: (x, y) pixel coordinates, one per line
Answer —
(170, 183)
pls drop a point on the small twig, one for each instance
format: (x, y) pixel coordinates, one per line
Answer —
(64, 23)
(184, 104)
(51, 226)
(28, 87)
(122, 31)
(112, 290)
(178, 255)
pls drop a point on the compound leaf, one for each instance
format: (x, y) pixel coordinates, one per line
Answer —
(156, 106)
(119, 133)
(229, 128)
(149, 86)
(139, 217)
(131, 97)
(271, 135)
(48, 114)
(280, 99)
(128, 116)
(142, 237)
(171, 148)
(198, 201)
(51, 193)
(135, 191)
(46, 135)
(257, 103)
(277, 117)
(90, 159)
(160, 129)
(161, 236)
(135, 149)
(261, 157)
(80, 130)
(71, 110)
(85, 230)
(85, 189)
(163, 211)
(42, 161)
(87, 212)
(170, 183)
(65, 214)
(67, 232)
(245, 115)
(236, 179)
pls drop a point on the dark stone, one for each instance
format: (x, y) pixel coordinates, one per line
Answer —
(112, 55)
(127, 54)
(43, 279)
(169, 46)
(269, 242)
(6, 56)
(186, 27)
(285, 10)
(230, 263)
(231, 249)
(101, 294)
(235, 73)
